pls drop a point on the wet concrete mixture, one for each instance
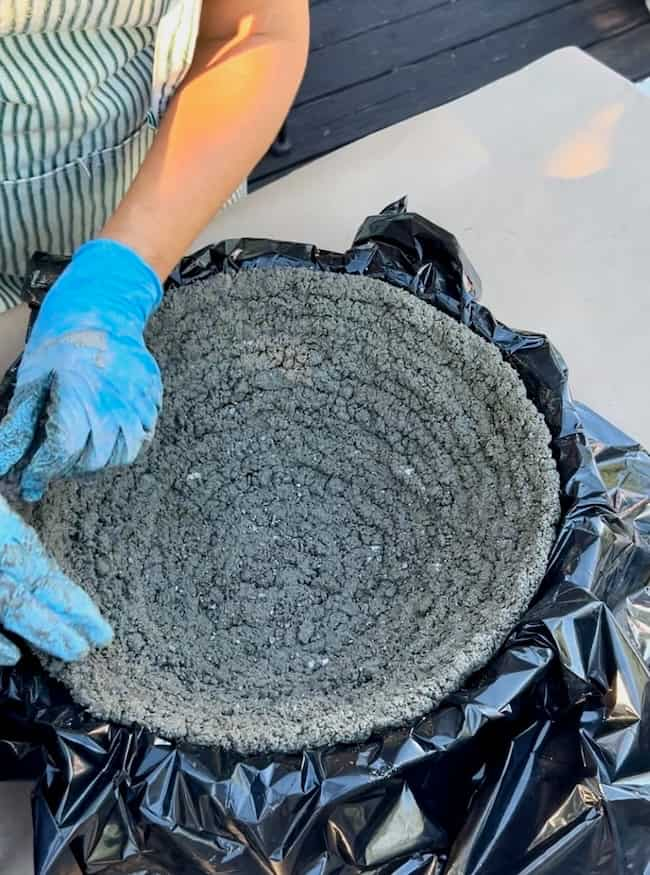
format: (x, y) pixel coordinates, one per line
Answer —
(348, 504)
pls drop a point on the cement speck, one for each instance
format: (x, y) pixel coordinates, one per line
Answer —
(348, 503)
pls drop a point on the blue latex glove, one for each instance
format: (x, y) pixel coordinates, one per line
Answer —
(88, 391)
(38, 602)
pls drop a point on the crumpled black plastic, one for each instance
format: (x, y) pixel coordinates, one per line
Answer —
(541, 764)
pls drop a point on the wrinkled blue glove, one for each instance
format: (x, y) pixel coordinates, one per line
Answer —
(38, 602)
(88, 390)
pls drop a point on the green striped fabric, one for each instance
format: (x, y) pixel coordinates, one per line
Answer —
(82, 86)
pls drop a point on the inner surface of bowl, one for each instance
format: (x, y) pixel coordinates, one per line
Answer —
(348, 503)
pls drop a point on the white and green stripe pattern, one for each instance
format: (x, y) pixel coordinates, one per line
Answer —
(82, 85)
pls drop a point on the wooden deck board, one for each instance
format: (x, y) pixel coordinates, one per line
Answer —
(628, 53)
(376, 62)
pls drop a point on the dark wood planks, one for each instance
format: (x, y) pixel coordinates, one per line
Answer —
(411, 39)
(628, 53)
(335, 21)
(416, 55)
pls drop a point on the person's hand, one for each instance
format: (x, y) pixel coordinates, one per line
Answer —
(88, 391)
(38, 602)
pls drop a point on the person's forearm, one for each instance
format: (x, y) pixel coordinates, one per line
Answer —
(218, 126)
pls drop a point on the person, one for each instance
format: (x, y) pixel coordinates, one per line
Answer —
(124, 128)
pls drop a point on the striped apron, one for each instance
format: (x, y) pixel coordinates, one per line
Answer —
(83, 84)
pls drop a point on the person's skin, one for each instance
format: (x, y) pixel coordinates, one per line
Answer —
(249, 61)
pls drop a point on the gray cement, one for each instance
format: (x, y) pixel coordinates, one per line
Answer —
(348, 504)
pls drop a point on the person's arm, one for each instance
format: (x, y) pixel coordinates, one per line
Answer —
(249, 61)
(88, 391)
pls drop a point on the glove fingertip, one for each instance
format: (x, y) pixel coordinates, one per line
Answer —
(84, 614)
(101, 634)
(94, 627)
(32, 489)
(9, 653)
(36, 477)
(149, 415)
(89, 621)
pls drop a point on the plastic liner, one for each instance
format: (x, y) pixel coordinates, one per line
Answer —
(541, 764)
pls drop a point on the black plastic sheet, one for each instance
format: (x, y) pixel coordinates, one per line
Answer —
(541, 764)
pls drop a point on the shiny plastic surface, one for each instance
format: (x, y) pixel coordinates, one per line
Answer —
(540, 765)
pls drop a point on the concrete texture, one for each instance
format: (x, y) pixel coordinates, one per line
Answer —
(348, 504)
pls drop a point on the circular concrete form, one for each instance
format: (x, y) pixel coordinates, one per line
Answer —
(348, 504)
